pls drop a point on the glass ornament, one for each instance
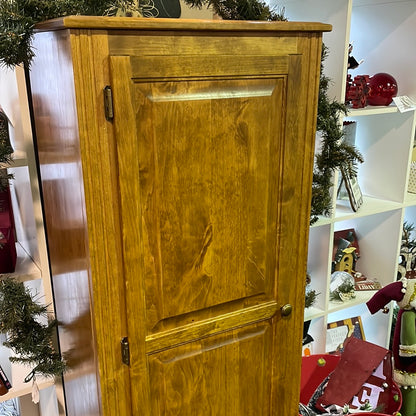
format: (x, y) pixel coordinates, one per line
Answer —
(383, 87)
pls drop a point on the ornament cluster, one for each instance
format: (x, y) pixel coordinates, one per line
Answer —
(363, 90)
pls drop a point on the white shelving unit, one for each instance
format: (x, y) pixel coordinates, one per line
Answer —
(382, 32)
(32, 266)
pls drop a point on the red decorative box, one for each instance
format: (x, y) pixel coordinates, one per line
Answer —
(7, 236)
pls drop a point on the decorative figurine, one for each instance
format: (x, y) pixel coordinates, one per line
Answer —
(352, 62)
(404, 341)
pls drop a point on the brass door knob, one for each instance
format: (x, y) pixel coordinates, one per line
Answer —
(286, 310)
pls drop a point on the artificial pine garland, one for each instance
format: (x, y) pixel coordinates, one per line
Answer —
(310, 297)
(18, 18)
(407, 241)
(240, 9)
(335, 153)
(31, 340)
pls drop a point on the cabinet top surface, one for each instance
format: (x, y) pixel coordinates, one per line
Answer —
(137, 23)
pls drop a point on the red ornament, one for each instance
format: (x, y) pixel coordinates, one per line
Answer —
(383, 87)
(357, 91)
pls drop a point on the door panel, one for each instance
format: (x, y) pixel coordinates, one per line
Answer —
(207, 192)
(200, 165)
(223, 375)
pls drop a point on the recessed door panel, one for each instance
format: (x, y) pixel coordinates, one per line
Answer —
(228, 374)
(208, 191)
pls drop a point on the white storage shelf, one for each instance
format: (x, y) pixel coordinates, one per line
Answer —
(26, 268)
(32, 265)
(382, 32)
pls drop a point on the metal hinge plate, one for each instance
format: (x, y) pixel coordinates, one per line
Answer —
(108, 103)
(125, 351)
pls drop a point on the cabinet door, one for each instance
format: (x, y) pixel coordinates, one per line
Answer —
(214, 174)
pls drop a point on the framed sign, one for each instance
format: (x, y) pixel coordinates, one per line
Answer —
(338, 332)
(353, 189)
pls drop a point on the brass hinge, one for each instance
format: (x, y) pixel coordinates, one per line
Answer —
(108, 103)
(125, 351)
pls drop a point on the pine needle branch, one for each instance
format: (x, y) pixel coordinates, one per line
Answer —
(22, 319)
(335, 154)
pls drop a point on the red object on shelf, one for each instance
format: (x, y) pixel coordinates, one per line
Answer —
(383, 87)
(7, 237)
(315, 369)
(357, 91)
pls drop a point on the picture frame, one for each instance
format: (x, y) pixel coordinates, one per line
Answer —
(353, 189)
(338, 332)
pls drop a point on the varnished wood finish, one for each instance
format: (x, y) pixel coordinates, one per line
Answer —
(183, 223)
(99, 22)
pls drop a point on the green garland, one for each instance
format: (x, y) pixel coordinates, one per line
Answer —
(310, 298)
(407, 241)
(18, 18)
(31, 340)
(240, 9)
(335, 154)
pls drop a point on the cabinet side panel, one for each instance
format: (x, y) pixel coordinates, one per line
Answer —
(100, 178)
(77, 173)
(56, 128)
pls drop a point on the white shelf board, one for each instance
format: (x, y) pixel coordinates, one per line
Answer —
(373, 2)
(370, 206)
(19, 159)
(313, 313)
(20, 388)
(322, 221)
(25, 269)
(372, 110)
(410, 199)
(360, 298)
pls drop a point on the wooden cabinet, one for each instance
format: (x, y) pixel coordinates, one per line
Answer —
(176, 160)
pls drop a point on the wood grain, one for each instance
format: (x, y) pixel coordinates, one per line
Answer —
(158, 24)
(205, 377)
(186, 216)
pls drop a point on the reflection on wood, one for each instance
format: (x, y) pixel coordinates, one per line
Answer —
(223, 375)
(188, 212)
